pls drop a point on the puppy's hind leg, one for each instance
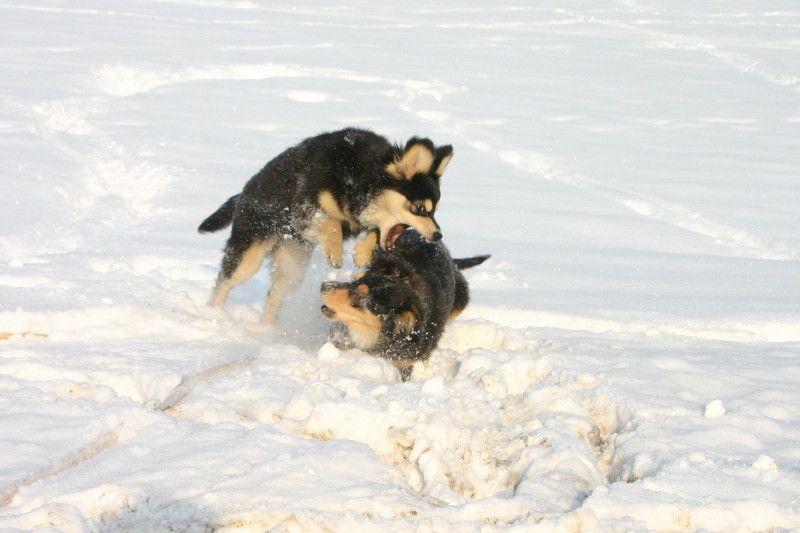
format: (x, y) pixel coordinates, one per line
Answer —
(243, 258)
(289, 263)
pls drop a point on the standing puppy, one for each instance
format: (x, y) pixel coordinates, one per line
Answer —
(323, 190)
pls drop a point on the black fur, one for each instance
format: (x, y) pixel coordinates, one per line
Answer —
(220, 218)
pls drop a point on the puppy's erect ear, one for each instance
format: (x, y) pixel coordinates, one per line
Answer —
(405, 322)
(417, 158)
(443, 156)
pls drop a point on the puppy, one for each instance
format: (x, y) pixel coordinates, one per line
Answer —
(323, 190)
(398, 308)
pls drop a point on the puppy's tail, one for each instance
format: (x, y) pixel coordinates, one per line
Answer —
(221, 217)
(468, 262)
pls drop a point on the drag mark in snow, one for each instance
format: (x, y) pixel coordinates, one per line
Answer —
(101, 443)
(188, 382)
(111, 437)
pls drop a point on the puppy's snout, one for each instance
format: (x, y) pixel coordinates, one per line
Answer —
(436, 237)
(328, 286)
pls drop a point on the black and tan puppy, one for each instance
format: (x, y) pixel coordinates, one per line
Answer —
(323, 190)
(398, 308)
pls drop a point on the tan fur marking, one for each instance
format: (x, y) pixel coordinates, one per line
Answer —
(443, 165)
(363, 289)
(332, 241)
(330, 206)
(365, 327)
(251, 262)
(360, 275)
(428, 205)
(404, 363)
(454, 313)
(363, 250)
(417, 159)
(405, 321)
(390, 208)
(249, 265)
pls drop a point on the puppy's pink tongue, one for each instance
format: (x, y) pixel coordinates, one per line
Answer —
(394, 234)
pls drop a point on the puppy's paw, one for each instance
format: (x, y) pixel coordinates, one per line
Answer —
(332, 242)
(335, 260)
(365, 249)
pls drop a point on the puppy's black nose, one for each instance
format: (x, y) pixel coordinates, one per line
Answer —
(328, 286)
(437, 236)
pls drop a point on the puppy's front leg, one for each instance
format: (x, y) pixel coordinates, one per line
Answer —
(363, 250)
(332, 241)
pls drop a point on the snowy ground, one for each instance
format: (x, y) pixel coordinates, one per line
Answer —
(631, 357)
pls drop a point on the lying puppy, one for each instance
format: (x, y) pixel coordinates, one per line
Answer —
(323, 190)
(398, 308)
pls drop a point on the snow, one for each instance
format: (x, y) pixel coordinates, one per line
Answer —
(629, 360)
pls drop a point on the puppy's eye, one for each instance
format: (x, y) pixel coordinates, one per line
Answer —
(419, 210)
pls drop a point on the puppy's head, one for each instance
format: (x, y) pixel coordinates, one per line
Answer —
(375, 305)
(414, 192)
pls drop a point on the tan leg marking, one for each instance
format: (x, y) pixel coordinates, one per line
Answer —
(289, 263)
(249, 265)
(332, 241)
(363, 250)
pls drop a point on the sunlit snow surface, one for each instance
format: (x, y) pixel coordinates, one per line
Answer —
(631, 357)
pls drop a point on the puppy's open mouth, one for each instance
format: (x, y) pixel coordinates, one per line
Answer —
(327, 311)
(394, 234)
